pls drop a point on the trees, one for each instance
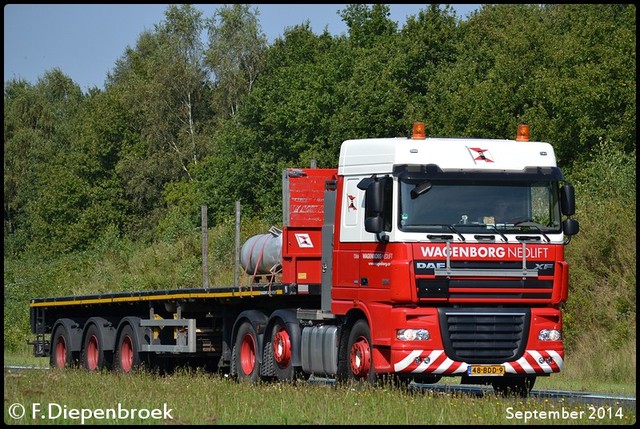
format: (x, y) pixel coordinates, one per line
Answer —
(557, 67)
(588, 82)
(44, 186)
(162, 88)
(367, 24)
(235, 54)
(184, 122)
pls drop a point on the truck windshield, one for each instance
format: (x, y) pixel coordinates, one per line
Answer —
(479, 206)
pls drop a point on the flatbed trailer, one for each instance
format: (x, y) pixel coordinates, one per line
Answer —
(93, 330)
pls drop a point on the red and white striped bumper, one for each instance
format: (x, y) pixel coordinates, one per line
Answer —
(436, 362)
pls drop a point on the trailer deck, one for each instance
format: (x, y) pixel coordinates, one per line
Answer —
(162, 295)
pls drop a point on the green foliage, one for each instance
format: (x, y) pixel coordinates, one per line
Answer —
(366, 23)
(50, 190)
(599, 355)
(29, 276)
(232, 173)
(589, 77)
(610, 173)
(426, 44)
(183, 215)
(161, 88)
(17, 294)
(296, 99)
(236, 54)
(22, 152)
(603, 256)
(487, 88)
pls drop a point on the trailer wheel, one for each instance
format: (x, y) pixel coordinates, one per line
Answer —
(246, 354)
(127, 353)
(516, 386)
(93, 354)
(357, 359)
(61, 356)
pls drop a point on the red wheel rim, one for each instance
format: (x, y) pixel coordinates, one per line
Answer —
(248, 354)
(126, 354)
(92, 353)
(61, 353)
(360, 357)
(282, 347)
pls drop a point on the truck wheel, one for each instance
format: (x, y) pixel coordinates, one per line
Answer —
(357, 359)
(93, 354)
(127, 353)
(60, 352)
(282, 355)
(517, 386)
(246, 354)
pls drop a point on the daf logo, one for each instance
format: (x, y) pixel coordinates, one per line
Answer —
(430, 265)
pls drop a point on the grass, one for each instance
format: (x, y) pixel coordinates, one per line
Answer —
(195, 397)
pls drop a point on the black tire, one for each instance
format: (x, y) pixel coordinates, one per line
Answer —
(282, 352)
(60, 356)
(514, 386)
(94, 357)
(127, 356)
(355, 360)
(245, 354)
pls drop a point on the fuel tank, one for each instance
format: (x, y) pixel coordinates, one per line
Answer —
(262, 253)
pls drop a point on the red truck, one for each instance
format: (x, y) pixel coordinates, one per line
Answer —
(416, 258)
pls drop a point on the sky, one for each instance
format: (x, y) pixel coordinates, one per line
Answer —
(84, 41)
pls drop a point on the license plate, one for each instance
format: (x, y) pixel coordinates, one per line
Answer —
(485, 370)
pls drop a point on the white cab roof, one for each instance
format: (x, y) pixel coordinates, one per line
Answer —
(369, 156)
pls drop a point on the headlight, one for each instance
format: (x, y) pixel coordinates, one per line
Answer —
(412, 334)
(550, 335)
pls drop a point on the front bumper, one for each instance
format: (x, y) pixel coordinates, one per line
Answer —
(436, 362)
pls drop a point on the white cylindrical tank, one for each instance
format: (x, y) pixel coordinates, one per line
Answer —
(262, 251)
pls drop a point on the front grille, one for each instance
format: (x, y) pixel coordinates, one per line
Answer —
(477, 335)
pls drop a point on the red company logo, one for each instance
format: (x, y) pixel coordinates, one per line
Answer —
(352, 205)
(480, 154)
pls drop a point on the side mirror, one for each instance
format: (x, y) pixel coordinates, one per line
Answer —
(374, 224)
(374, 206)
(374, 199)
(567, 200)
(570, 226)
